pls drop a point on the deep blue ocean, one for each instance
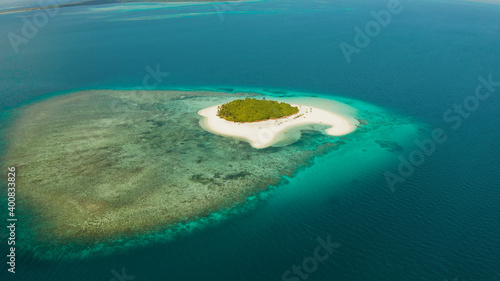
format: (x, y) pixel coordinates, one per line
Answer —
(441, 223)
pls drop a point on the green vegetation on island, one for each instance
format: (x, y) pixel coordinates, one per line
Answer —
(251, 110)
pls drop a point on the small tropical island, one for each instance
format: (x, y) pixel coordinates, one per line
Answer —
(253, 110)
(264, 123)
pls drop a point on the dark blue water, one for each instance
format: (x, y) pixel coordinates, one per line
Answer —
(441, 223)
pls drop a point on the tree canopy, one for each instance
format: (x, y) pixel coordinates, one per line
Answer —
(251, 110)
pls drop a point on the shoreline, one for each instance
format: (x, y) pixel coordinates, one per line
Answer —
(271, 132)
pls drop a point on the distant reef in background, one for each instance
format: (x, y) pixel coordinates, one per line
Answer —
(100, 2)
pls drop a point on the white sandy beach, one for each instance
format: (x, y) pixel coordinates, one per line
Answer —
(285, 130)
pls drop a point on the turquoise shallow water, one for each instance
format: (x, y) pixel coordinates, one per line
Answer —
(187, 157)
(441, 223)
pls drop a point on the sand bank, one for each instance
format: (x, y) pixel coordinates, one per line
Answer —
(280, 131)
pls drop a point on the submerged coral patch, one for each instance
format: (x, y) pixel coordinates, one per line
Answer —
(101, 164)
